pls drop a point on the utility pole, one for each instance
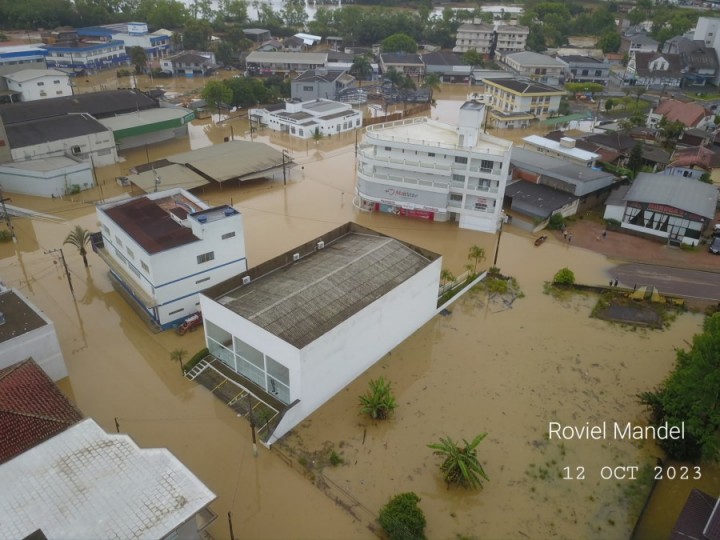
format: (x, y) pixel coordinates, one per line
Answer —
(7, 216)
(67, 272)
(284, 170)
(251, 416)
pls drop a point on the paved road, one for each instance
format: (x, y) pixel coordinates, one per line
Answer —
(668, 280)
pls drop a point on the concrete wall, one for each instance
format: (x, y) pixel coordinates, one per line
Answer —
(100, 145)
(152, 138)
(42, 87)
(46, 183)
(337, 358)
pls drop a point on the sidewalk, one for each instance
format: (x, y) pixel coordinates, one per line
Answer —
(627, 248)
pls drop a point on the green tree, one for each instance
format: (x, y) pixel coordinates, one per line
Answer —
(609, 42)
(196, 35)
(402, 519)
(473, 58)
(138, 57)
(233, 11)
(293, 13)
(178, 355)
(217, 94)
(433, 82)
(224, 53)
(460, 465)
(361, 68)
(399, 43)
(564, 276)
(536, 38)
(476, 255)
(609, 104)
(446, 276)
(162, 13)
(635, 160)
(670, 132)
(379, 401)
(691, 395)
(79, 238)
(706, 178)
(584, 88)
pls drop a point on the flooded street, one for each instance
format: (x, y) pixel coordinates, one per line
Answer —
(485, 367)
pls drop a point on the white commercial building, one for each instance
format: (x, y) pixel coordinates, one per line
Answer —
(431, 170)
(304, 325)
(34, 84)
(85, 483)
(165, 247)
(91, 56)
(564, 149)
(707, 30)
(46, 177)
(535, 66)
(305, 119)
(26, 332)
(15, 58)
(516, 103)
(132, 34)
(487, 39)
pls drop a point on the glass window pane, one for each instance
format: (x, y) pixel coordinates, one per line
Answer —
(224, 355)
(218, 334)
(277, 370)
(251, 372)
(279, 390)
(251, 354)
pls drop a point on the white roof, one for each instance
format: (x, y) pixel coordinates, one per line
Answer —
(45, 164)
(549, 144)
(286, 57)
(141, 118)
(530, 58)
(87, 484)
(309, 39)
(21, 48)
(31, 74)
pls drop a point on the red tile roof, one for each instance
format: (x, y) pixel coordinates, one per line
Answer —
(697, 156)
(32, 409)
(689, 114)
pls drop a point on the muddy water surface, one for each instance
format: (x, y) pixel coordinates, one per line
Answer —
(505, 368)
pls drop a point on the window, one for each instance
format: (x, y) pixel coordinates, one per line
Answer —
(203, 280)
(130, 253)
(598, 73)
(584, 72)
(144, 266)
(205, 257)
(59, 93)
(56, 82)
(228, 235)
(118, 242)
(431, 154)
(176, 311)
(456, 197)
(486, 165)
(387, 148)
(460, 159)
(308, 88)
(458, 178)
(41, 84)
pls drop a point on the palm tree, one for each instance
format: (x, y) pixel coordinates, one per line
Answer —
(461, 465)
(178, 355)
(476, 254)
(379, 401)
(361, 68)
(446, 276)
(433, 82)
(394, 76)
(79, 238)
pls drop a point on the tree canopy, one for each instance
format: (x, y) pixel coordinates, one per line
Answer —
(399, 43)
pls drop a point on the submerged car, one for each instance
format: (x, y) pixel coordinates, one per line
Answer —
(715, 246)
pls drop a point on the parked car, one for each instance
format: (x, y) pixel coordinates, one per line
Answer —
(715, 246)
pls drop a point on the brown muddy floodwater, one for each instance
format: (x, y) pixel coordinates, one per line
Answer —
(487, 367)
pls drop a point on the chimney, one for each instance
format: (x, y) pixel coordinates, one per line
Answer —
(567, 142)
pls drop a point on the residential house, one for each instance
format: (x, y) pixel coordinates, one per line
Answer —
(431, 170)
(409, 64)
(258, 35)
(488, 39)
(699, 518)
(654, 69)
(564, 149)
(689, 114)
(271, 45)
(133, 34)
(449, 66)
(352, 293)
(34, 84)
(585, 69)
(319, 83)
(668, 207)
(694, 162)
(20, 57)
(112, 487)
(294, 44)
(700, 61)
(165, 247)
(32, 410)
(542, 185)
(305, 119)
(189, 64)
(270, 63)
(606, 153)
(707, 30)
(534, 66)
(310, 40)
(638, 42)
(516, 103)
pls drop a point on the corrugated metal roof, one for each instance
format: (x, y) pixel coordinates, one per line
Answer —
(22, 134)
(684, 193)
(302, 301)
(170, 177)
(272, 57)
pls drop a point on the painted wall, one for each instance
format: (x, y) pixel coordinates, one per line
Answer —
(100, 145)
(42, 88)
(46, 183)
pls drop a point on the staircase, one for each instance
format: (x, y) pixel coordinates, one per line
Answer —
(197, 369)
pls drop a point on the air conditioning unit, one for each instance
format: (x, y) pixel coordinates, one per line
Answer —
(320, 244)
(296, 256)
(75, 150)
(246, 280)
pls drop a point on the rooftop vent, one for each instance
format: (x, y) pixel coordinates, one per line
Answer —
(229, 211)
(246, 280)
(202, 219)
(296, 256)
(567, 142)
(320, 244)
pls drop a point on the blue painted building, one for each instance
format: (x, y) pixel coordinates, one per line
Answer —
(91, 56)
(133, 34)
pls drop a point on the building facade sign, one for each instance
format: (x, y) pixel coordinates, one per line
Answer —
(402, 196)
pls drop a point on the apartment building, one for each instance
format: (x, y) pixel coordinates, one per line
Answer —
(487, 38)
(516, 103)
(535, 66)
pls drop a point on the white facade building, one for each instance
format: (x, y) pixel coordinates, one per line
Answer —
(304, 325)
(91, 56)
(563, 149)
(488, 38)
(26, 332)
(34, 84)
(15, 58)
(85, 483)
(132, 34)
(165, 247)
(304, 119)
(431, 170)
(535, 66)
(46, 177)
(516, 103)
(707, 30)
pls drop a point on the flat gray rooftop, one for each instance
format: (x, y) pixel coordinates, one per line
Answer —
(304, 300)
(20, 318)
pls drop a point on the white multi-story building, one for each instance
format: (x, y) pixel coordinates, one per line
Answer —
(163, 248)
(563, 149)
(300, 327)
(488, 39)
(15, 58)
(707, 30)
(516, 103)
(91, 56)
(431, 170)
(132, 34)
(305, 119)
(535, 66)
(34, 84)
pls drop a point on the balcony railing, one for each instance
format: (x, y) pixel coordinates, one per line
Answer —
(374, 177)
(439, 166)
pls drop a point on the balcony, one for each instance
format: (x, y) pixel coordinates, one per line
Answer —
(440, 167)
(442, 187)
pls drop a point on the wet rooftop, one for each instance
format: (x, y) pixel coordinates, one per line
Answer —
(305, 299)
(20, 318)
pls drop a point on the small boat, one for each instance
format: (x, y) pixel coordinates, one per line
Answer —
(540, 239)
